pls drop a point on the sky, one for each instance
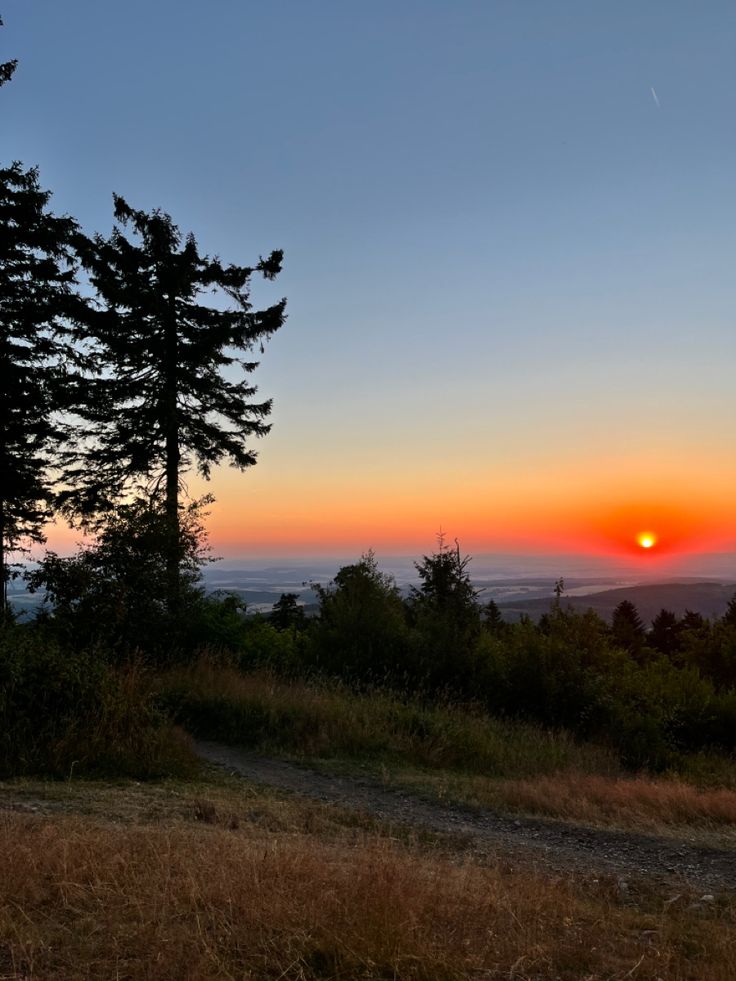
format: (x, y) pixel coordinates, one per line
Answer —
(509, 245)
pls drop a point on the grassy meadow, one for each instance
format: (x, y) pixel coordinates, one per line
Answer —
(125, 857)
(452, 753)
(212, 878)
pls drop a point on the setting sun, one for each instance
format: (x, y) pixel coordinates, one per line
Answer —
(646, 539)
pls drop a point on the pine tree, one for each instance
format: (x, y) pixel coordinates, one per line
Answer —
(446, 614)
(665, 635)
(494, 621)
(627, 628)
(37, 299)
(162, 403)
(729, 617)
(7, 68)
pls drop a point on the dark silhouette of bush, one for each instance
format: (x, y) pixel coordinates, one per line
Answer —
(113, 594)
(66, 711)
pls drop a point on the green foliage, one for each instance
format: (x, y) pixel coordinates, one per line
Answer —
(37, 301)
(329, 720)
(569, 674)
(65, 712)
(712, 650)
(113, 593)
(163, 401)
(627, 629)
(446, 620)
(553, 676)
(361, 634)
(264, 645)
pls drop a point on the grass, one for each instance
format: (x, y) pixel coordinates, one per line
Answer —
(214, 879)
(312, 720)
(454, 754)
(643, 804)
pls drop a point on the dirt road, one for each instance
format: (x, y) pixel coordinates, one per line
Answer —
(552, 843)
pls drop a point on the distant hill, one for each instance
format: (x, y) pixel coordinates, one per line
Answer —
(708, 598)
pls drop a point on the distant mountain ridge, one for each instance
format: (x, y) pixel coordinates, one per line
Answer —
(708, 598)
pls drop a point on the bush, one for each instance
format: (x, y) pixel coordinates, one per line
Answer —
(265, 646)
(67, 711)
(114, 592)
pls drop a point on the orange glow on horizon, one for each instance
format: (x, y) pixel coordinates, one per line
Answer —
(572, 506)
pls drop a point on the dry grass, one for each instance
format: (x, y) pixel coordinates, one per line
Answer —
(320, 720)
(228, 884)
(455, 754)
(628, 803)
(641, 803)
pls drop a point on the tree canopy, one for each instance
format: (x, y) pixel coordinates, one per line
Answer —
(161, 401)
(38, 301)
(165, 398)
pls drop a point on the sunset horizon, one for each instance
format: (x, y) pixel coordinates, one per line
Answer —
(510, 293)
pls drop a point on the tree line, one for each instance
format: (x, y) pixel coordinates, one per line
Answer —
(116, 354)
(652, 694)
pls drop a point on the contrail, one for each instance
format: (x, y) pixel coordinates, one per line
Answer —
(654, 96)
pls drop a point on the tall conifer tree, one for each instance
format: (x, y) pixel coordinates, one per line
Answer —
(37, 302)
(162, 402)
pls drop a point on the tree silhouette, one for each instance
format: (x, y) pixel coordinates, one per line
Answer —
(665, 635)
(627, 628)
(729, 617)
(445, 583)
(162, 401)
(494, 621)
(287, 614)
(361, 631)
(37, 296)
(693, 620)
(113, 592)
(446, 614)
(7, 68)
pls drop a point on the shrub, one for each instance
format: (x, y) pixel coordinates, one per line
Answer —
(65, 711)
(114, 592)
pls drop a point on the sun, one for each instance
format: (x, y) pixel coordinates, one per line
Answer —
(646, 539)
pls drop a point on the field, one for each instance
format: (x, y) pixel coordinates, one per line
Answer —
(216, 878)
(361, 835)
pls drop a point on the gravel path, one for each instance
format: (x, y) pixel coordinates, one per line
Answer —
(555, 844)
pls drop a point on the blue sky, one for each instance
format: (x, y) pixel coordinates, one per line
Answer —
(504, 254)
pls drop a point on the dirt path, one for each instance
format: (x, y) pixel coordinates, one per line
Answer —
(555, 844)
